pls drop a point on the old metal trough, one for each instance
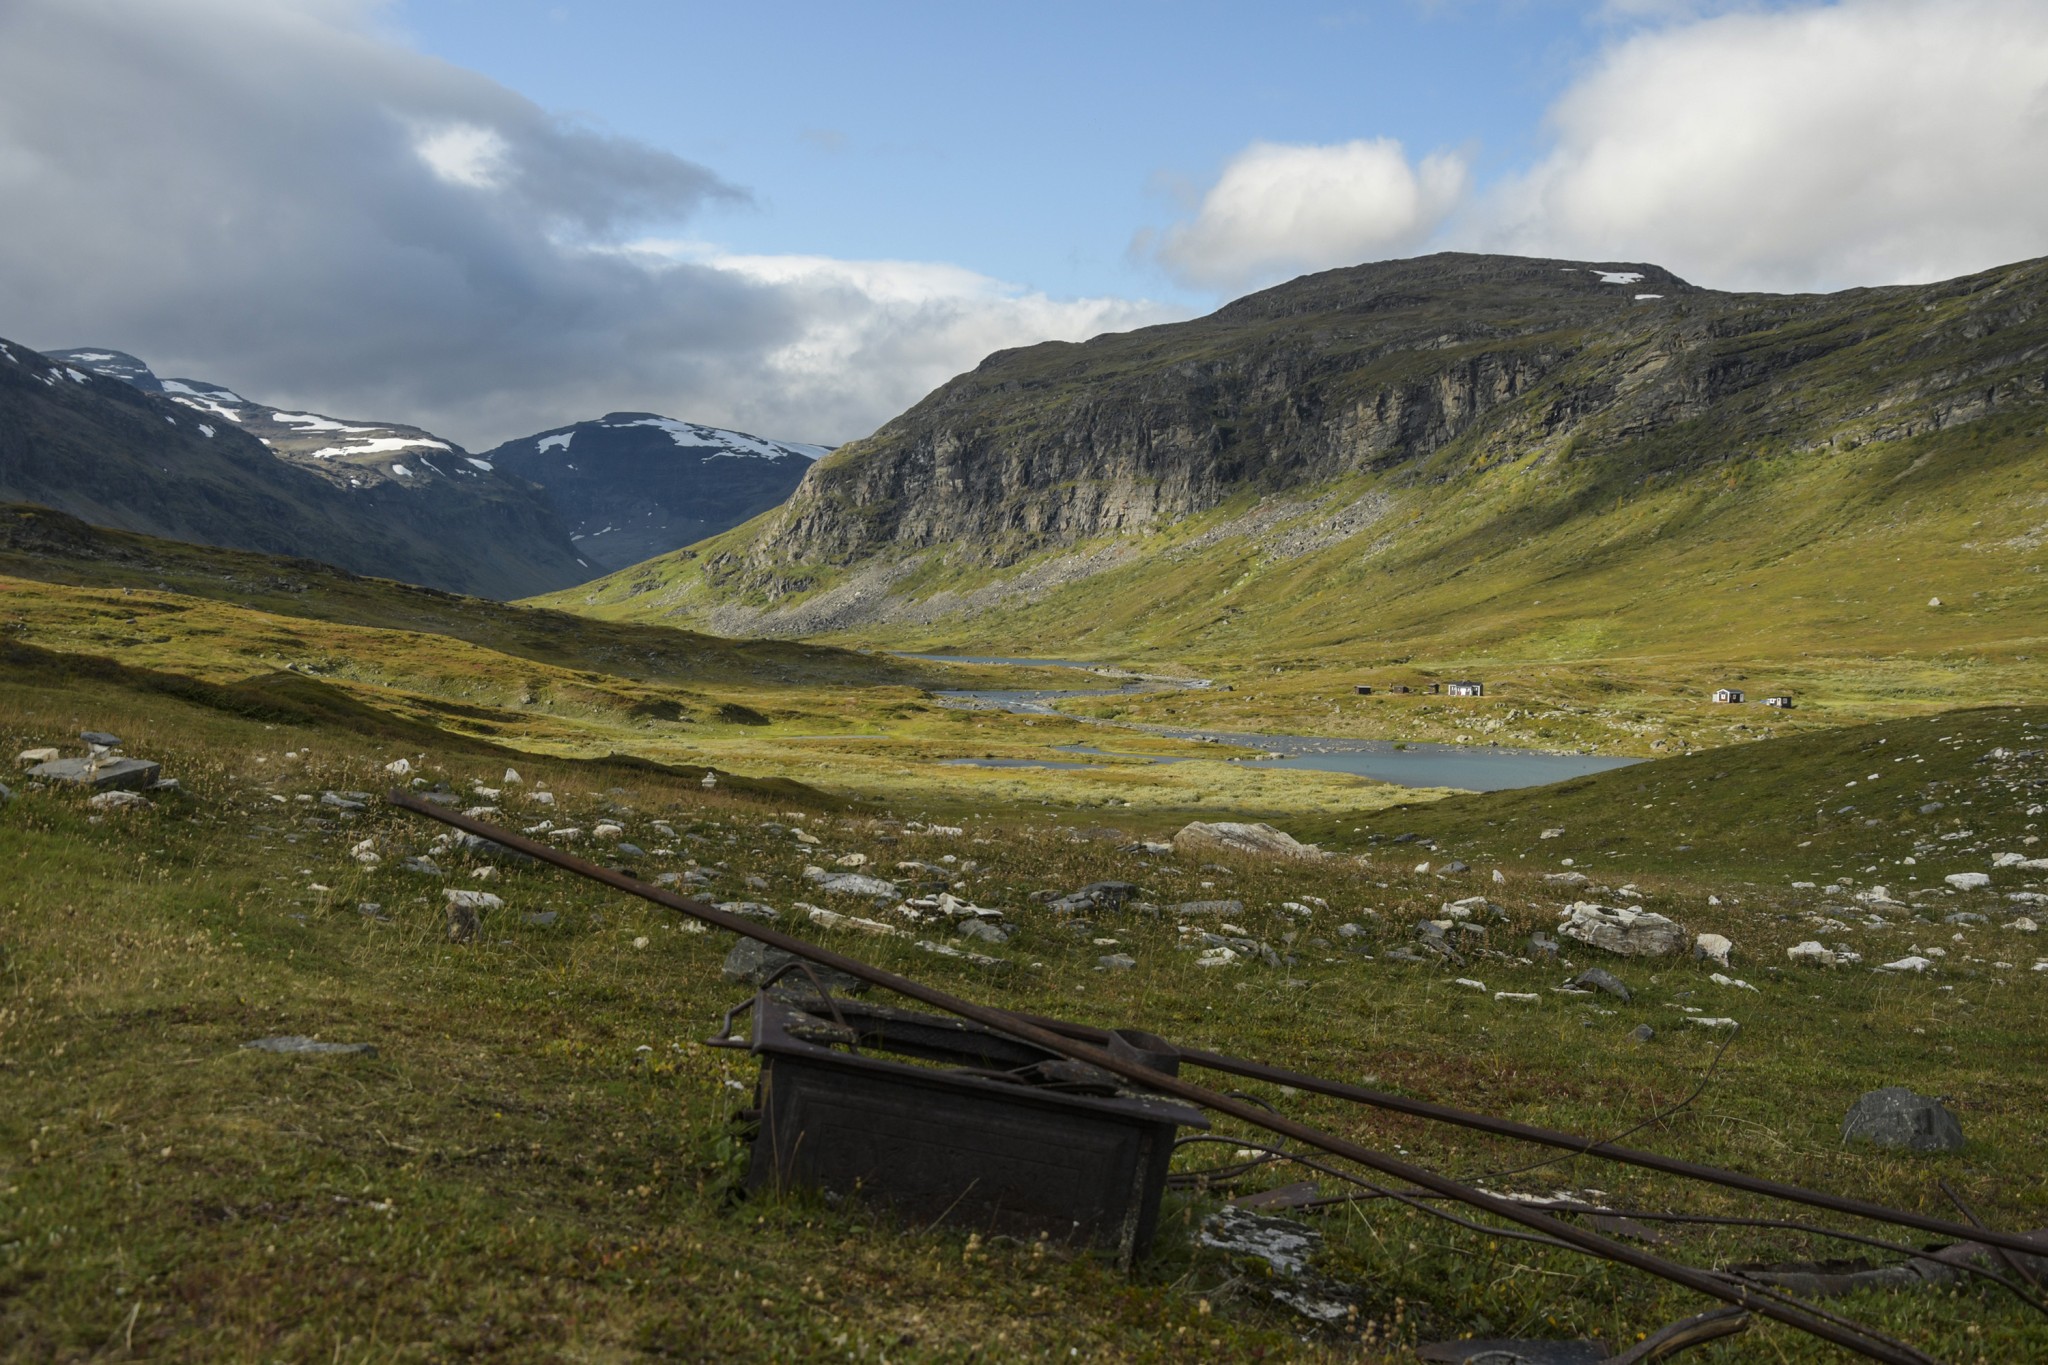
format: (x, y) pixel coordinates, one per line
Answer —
(943, 1120)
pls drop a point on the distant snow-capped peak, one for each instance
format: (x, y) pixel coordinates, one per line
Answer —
(722, 443)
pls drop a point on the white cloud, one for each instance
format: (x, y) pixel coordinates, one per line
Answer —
(464, 154)
(410, 241)
(1867, 142)
(873, 337)
(1278, 210)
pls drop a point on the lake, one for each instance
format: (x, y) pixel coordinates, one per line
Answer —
(1467, 767)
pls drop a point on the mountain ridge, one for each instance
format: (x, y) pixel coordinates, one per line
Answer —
(1342, 448)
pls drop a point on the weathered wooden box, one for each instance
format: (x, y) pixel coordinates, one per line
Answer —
(995, 1135)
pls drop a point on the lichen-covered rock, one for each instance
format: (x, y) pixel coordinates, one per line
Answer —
(1233, 837)
(1623, 930)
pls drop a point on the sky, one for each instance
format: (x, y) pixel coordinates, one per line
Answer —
(491, 217)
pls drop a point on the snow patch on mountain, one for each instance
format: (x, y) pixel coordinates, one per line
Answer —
(559, 441)
(306, 421)
(728, 444)
(380, 445)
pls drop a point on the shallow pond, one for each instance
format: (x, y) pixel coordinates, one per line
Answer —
(1467, 767)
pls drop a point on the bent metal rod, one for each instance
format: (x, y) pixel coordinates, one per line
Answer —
(1844, 1335)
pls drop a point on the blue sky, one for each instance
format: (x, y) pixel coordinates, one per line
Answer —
(495, 217)
(1029, 142)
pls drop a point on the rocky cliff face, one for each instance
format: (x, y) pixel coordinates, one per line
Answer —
(1426, 381)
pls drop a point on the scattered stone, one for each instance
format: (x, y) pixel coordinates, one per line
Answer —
(1115, 962)
(1897, 1118)
(850, 883)
(99, 774)
(625, 850)
(754, 910)
(1500, 878)
(1967, 881)
(1625, 931)
(1232, 837)
(1348, 930)
(1094, 896)
(511, 778)
(1469, 984)
(1642, 1033)
(1712, 948)
(1915, 963)
(1219, 956)
(2022, 924)
(981, 960)
(1227, 909)
(398, 767)
(984, 930)
(119, 800)
(754, 963)
(100, 739)
(1566, 878)
(336, 801)
(1286, 1247)
(1703, 1021)
(1556, 832)
(1811, 954)
(29, 758)
(1598, 978)
(1527, 996)
(1719, 980)
(541, 919)
(1543, 945)
(1453, 867)
(832, 919)
(425, 866)
(293, 1042)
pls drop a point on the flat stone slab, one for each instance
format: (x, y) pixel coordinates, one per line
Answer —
(100, 774)
(294, 1042)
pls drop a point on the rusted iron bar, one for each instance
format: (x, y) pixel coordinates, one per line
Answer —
(1861, 1341)
(1550, 1137)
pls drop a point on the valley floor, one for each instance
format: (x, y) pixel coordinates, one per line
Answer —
(541, 1160)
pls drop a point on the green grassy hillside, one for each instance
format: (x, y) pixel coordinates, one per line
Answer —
(1606, 507)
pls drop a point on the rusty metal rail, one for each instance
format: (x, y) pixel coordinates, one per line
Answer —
(1815, 1322)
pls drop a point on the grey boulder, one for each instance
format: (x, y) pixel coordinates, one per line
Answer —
(1897, 1118)
(754, 963)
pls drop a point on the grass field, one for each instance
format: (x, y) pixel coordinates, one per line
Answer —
(540, 1162)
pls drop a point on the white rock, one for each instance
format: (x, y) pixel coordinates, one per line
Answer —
(1624, 930)
(851, 860)
(119, 801)
(1713, 948)
(398, 767)
(1812, 954)
(2008, 860)
(1499, 877)
(511, 777)
(1906, 964)
(1470, 984)
(832, 919)
(29, 758)
(541, 798)
(1705, 1022)
(473, 900)
(1967, 881)
(1516, 995)
(710, 781)
(1232, 837)
(2024, 925)
(1736, 982)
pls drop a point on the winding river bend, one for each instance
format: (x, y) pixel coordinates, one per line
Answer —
(1466, 767)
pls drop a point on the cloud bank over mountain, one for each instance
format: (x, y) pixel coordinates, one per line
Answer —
(280, 194)
(1815, 147)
